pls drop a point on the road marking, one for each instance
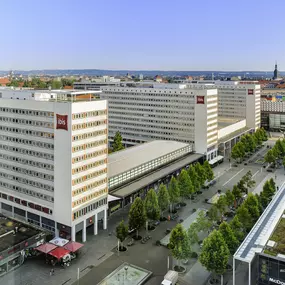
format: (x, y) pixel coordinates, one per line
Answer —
(255, 173)
(233, 177)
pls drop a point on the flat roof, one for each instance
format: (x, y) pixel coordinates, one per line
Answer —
(234, 134)
(257, 238)
(154, 176)
(8, 239)
(225, 122)
(135, 156)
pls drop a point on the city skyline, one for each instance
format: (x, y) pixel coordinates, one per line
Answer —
(146, 36)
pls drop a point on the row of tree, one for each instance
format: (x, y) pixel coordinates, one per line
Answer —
(155, 204)
(248, 143)
(276, 153)
(225, 239)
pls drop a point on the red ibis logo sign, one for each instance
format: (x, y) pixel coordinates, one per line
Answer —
(61, 122)
(250, 91)
(200, 99)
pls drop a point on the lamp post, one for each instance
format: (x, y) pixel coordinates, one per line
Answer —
(126, 270)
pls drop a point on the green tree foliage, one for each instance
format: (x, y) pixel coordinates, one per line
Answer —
(179, 243)
(244, 217)
(203, 223)
(237, 193)
(122, 232)
(230, 198)
(283, 161)
(267, 193)
(200, 173)
(193, 233)
(185, 186)
(117, 143)
(280, 147)
(229, 237)
(248, 142)
(238, 151)
(222, 204)
(194, 178)
(213, 214)
(163, 198)
(173, 191)
(151, 205)
(137, 215)
(215, 253)
(272, 184)
(246, 182)
(252, 204)
(270, 157)
(208, 170)
(237, 228)
(56, 84)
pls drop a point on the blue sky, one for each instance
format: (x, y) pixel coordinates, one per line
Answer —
(145, 34)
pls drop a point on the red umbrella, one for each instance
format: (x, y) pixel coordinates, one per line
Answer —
(73, 246)
(46, 247)
(59, 252)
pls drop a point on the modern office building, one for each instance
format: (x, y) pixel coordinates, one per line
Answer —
(132, 171)
(53, 159)
(96, 83)
(188, 113)
(263, 248)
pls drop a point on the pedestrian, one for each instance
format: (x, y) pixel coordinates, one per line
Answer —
(52, 271)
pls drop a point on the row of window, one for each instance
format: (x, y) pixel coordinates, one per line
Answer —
(89, 187)
(89, 166)
(27, 171)
(159, 109)
(27, 122)
(88, 125)
(88, 209)
(88, 176)
(150, 92)
(26, 204)
(88, 145)
(27, 142)
(28, 152)
(26, 191)
(26, 181)
(183, 99)
(131, 113)
(27, 132)
(152, 118)
(89, 135)
(89, 155)
(89, 197)
(89, 114)
(28, 112)
(26, 161)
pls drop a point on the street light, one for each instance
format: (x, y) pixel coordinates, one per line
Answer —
(126, 270)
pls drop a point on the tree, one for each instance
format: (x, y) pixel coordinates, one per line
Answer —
(193, 233)
(237, 193)
(252, 204)
(55, 84)
(173, 191)
(214, 214)
(244, 217)
(280, 146)
(202, 222)
(121, 232)
(238, 151)
(117, 143)
(230, 198)
(215, 253)
(270, 157)
(208, 170)
(222, 205)
(163, 198)
(151, 206)
(179, 243)
(137, 215)
(246, 182)
(272, 184)
(283, 162)
(194, 178)
(229, 237)
(237, 228)
(267, 193)
(185, 186)
(201, 174)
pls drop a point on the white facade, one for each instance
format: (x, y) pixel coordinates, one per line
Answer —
(53, 158)
(164, 112)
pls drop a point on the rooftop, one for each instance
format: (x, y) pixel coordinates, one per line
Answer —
(259, 235)
(8, 238)
(224, 122)
(135, 156)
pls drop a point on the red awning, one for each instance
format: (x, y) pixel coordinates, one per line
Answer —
(46, 247)
(73, 246)
(59, 252)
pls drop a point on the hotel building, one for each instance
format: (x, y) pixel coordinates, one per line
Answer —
(53, 159)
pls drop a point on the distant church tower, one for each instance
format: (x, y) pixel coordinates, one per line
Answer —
(275, 74)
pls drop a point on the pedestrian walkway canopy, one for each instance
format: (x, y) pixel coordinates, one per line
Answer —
(73, 246)
(216, 160)
(46, 247)
(59, 241)
(59, 252)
